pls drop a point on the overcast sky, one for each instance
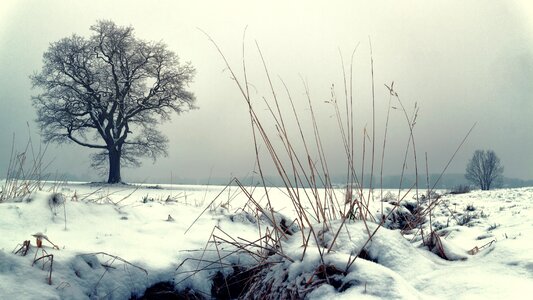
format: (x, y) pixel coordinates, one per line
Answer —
(461, 61)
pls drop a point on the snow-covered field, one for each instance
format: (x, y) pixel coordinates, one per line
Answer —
(113, 242)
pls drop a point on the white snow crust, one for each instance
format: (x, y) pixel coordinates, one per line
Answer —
(108, 236)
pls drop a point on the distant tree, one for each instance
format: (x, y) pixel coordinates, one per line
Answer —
(108, 92)
(484, 169)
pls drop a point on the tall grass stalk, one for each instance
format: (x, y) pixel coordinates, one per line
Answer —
(305, 174)
(25, 171)
(316, 174)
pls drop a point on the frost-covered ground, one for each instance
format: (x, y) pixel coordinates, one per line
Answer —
(116, 241)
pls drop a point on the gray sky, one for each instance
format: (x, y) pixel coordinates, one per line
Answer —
(461, 61)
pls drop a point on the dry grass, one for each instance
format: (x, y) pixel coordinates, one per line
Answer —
(25, 171)
(302, 165)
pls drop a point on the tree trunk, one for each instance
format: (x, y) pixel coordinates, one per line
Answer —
(114, 166)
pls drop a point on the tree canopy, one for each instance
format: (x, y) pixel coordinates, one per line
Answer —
(484, 169)
(108, 92)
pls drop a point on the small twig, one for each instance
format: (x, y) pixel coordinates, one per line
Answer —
(23, 248)
(51, 257)
(487, 244)
(115, 258)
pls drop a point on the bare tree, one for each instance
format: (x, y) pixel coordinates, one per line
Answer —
(108, 92)
(484, 169)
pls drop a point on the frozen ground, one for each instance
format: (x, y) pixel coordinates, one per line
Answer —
(114, 242)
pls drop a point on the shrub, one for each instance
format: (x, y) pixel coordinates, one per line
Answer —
(461, 189)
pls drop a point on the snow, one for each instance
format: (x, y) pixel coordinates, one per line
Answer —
(117, 240)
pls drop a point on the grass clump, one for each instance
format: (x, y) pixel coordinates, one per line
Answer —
(470, 207)
(24, 173)
(325, 215)
(460, 189)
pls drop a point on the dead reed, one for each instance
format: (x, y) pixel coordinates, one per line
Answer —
(320, 207)
(25, 171)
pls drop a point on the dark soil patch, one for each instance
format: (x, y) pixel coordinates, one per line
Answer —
(331, 274)
(166, 291)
